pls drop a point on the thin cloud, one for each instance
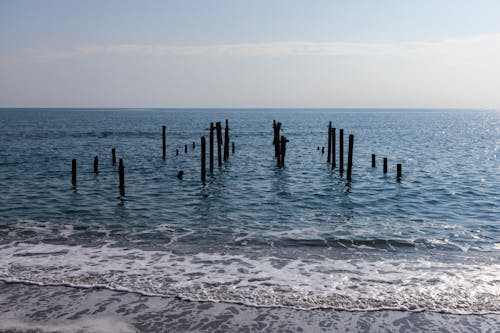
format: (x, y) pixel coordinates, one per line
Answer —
(479, 45)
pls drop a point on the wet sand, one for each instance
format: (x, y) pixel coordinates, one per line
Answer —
(31, 308)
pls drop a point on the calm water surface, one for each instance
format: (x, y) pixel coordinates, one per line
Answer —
(255, 234)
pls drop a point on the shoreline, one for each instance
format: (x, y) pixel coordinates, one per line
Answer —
(35, 308)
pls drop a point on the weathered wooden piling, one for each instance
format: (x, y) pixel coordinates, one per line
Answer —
(373, 161)
(96, 165)
(113, 156)
(73, 172)
(233, 148)
(203, 164)
(219, 143)
(274, 136)
(322, 150)
(276, 140)
(385, 164)
(164, 141)
(226, 141)
(334, 162)
(212, 128)
(341, 151)
(121, 173)
(194, 145)
(185, 149)
(349, 158)
(277, 144)
(399, 172)
(283, 151)
(177, 152)
(328, 158)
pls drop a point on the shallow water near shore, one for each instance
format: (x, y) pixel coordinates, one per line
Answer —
(297, 238)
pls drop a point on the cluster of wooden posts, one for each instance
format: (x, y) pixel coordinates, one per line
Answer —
(222, 150)
(222, 155)
(121, 170)
(279, 143)
(399, 171)
(223, 146)
(331, 158)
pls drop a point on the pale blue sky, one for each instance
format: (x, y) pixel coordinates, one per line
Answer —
(272, 53)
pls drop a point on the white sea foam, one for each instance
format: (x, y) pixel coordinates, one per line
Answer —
(413, 283)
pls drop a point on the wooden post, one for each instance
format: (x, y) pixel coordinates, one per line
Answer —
(373, 161)
(341, 151)
(334, 162)
(177, 152)
(164, 141)
(219, 143)
(185, 149)
(96, 165)
(399, 175)
(212, 147)
(349, 158)
(193, 145)
(233, 147)
(274, 137)
(73, 172)
(277, 146)
(283, 151)
(203, 164)
(113, 156)
(329, 142)
(385, 164)
(121, 172)
(226, 142)
(322, 150)
(276, 140)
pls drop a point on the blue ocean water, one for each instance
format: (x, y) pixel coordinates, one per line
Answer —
(297, 236)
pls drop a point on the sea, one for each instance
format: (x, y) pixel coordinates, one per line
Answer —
(256, 247)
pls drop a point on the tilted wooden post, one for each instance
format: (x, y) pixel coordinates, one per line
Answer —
(349, 158)
(113, 156)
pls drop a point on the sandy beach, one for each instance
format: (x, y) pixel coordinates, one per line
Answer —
(31, 308)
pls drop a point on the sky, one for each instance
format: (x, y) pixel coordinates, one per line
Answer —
(250, 54)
